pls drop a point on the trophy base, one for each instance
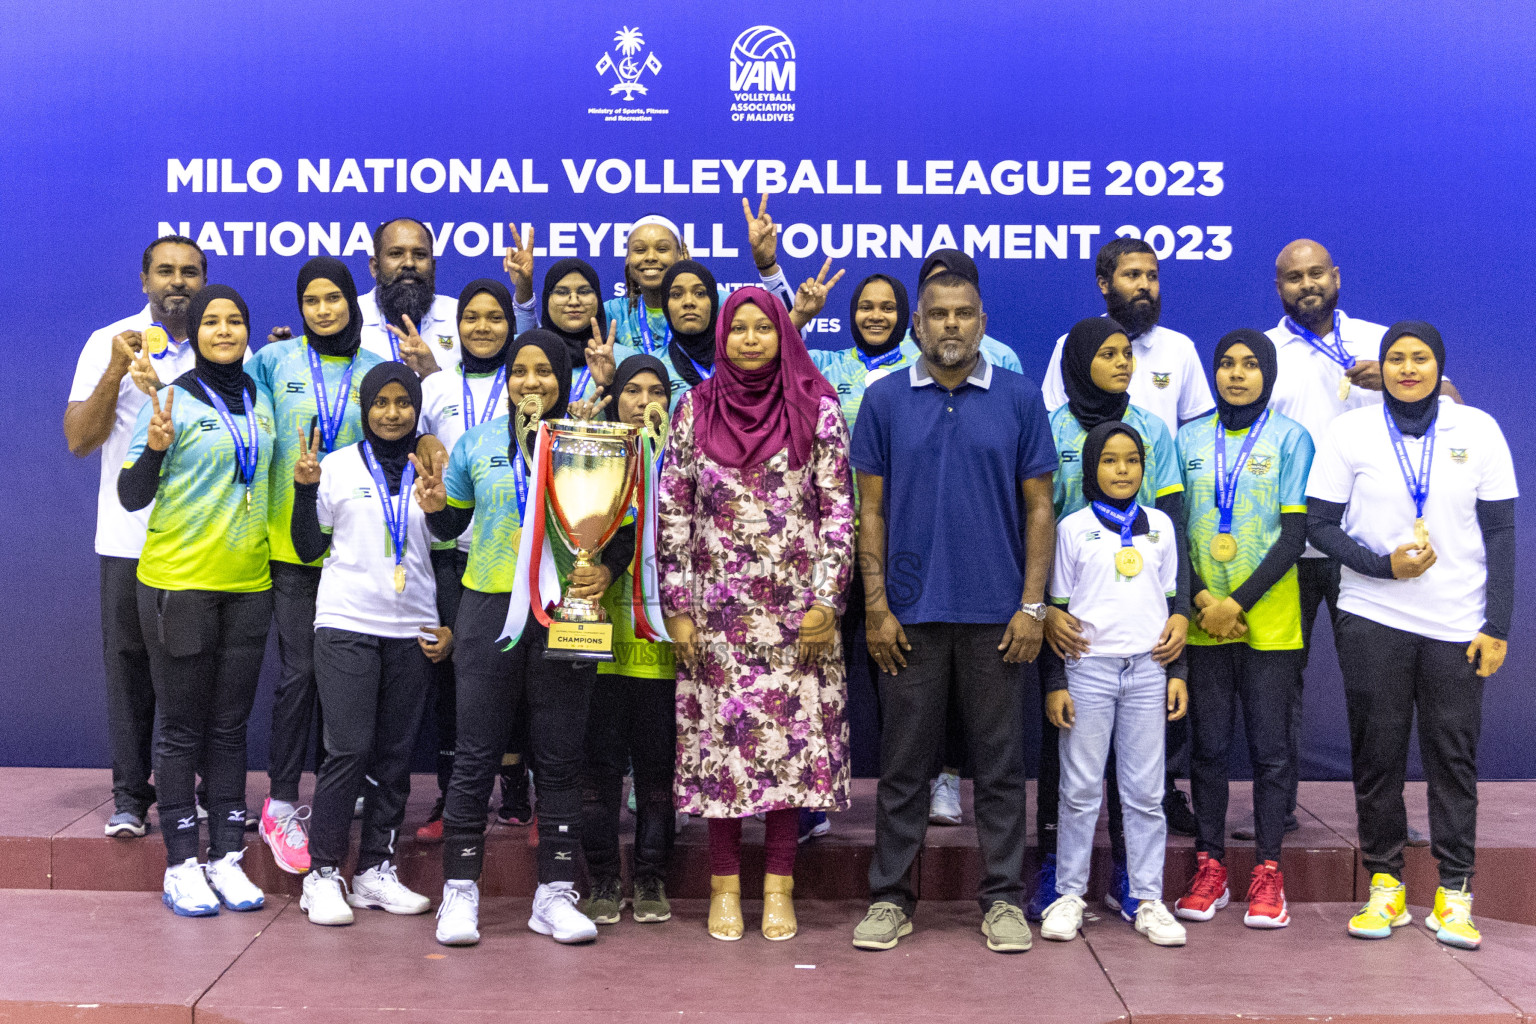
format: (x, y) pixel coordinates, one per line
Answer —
(579, 641)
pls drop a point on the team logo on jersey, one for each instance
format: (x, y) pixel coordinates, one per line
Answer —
(627, 43)
(1091, 535)
(499, 462)
(1161, 380)
(362, 493)
(207, 425)
(265, 423)
(445, 341)
(1153, 535)
(1258, 465)
(1069, 456)
(450, 410)
(1459, 456)
(295, 387)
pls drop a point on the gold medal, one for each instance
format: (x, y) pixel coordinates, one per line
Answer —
(1224, 547)
(1128, 561)
(155, 339)
(1344, 388)
(400, 579)
(1420, 534)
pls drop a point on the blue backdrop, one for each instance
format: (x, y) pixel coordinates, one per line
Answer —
(1399, 134)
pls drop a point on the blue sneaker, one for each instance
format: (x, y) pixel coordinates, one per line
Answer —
(813, 824)
(1118, 896)
(1045, 889)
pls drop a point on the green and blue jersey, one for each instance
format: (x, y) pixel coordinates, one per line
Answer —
(1159, 476)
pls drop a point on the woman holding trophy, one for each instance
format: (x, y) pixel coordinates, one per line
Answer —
(756, 549)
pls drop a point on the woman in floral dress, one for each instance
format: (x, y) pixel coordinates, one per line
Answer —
(756, 550)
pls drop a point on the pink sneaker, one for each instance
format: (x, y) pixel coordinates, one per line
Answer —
(287, 838)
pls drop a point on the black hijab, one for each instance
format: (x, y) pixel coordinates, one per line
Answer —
(1093, 450)
(1090, 403)
(700, 346)
(392, 455)
(954, 261)
(575, 341)
(1241, 417)
(903, 316)
(472, 363)
(635, 364)
(1413, 418)
(345, 342)
(554, 349)
(228, 380)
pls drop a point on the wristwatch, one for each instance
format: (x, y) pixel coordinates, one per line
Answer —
(1034, 611)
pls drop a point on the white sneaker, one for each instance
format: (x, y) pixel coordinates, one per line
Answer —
(458, 918)
(1155, 922)
(944, 800)
(1063, 919)
(186, 890)
(555, 914)
(227, 879)
(325, 897)
(379, 888)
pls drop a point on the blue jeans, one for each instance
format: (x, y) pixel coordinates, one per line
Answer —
(1123, 700)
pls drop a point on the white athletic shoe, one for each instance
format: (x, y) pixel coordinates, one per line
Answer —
(944, 800)
(555, 914)
(1155, 922)
(458, 918)
(325, 897)
(379, 888)
(227, 879)
(1063, 919)
(186, 890)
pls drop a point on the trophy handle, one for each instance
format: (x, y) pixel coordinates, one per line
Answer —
(656, 425)
(529, 411)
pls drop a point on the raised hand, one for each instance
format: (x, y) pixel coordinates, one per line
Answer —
(162, 429)
(413, 351)
(431, 495)
(307, 469)
(125, 347)
(600, 353)
(518, 263)
(812, 295)
(280, 334)
(143, 374)
(762, 235)
(591, 408)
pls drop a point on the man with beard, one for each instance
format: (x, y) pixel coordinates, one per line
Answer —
(145, 350)
(950, 583)
(426, 325)
(1169, 379)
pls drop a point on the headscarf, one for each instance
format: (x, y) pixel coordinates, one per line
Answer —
(1093, 450)
(345, 342)
(1413, 418)
(472, 363)
(392, 455)
(743, 417)
(628, 369)
(1241, 417)
(699, 346)
(1090, 403)
(903, 316)
(954, 261)
(228, 380)
(575, 341)
(555, 351)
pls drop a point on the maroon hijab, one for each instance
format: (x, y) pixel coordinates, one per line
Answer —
(741, 418)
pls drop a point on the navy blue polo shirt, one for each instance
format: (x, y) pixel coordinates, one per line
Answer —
(953, 463)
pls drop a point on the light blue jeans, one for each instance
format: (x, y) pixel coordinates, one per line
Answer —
(1124, 701)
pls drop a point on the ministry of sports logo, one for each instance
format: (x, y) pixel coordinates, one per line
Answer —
(627, 43)
(762, 75)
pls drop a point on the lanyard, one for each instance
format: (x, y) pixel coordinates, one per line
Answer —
(583, 381)
(1123, 519)
(330, 419)
(246, 455)
(394, 342)
(704, 372)
(1226, 483)
(520, 481)
(878, 361)
(1418, 484)
(647, 342)
(490, 406)
(1337, 352)
(396, 517)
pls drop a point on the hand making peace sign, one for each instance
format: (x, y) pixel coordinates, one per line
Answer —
(413, 351)
(812, 295)
(600, 354)
(431, 495)
(762, 235)
(518, 263)
(307, 469)
(162, 429)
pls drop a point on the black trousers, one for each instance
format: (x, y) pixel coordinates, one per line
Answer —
(130, 691)
(373, 691)
(1048, 784)
(448, 567)
(490, 683)
(205, 651)
(1221, 676)
(1318, 580)
(295, 701)
(992, 707)
(632, 721)
(1388, 675)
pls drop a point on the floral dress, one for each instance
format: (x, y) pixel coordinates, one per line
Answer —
(746, 553)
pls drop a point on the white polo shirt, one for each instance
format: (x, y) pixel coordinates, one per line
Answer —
(443, 412)
(1122, 616)
(439, 329)
(1357, 465)
(120, 533)
(357, 580)
(1168, 380)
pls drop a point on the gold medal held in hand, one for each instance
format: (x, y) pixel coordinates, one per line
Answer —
(1344, 388)
(155, 339)
(1128, 561)
(1420, 534)
(400, 579)
(1224, 547)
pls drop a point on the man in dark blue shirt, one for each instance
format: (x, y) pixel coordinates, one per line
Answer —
(956, 530)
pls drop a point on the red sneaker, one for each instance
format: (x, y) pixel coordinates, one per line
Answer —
(432, 831)
(1266, 898)
(1207, 890)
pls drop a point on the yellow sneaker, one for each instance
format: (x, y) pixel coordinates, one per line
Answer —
(1451, 920)
(1386, 909)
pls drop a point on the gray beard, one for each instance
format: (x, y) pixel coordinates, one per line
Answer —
(935, 355)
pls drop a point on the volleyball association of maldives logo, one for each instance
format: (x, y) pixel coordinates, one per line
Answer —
(762, 75)
(627, 44)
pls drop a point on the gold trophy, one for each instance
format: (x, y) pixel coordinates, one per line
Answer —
(591, 478)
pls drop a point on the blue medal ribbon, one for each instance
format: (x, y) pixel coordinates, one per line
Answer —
(873, 364)
(490, 406)
(1337, 352)
(1418, 483)
(330, 419)
(704, 372)
(647, 341)
(520, 481)
(583, 381)
(1123, 519)
(396, 518)
(247, 455)
(1226, 483)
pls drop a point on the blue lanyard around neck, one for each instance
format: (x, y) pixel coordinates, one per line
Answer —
(1418, 483)
(490, 406)
(396, 516)
(330, 418)
(1337, 352)
(1226, 483)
